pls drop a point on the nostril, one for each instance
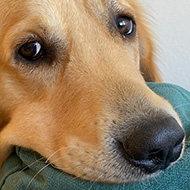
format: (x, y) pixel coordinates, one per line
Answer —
(180, 141)
(156, 154)
(177, 151)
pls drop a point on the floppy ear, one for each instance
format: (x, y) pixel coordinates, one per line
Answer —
(148, 67)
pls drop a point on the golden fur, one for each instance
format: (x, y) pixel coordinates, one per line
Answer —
(64, 109)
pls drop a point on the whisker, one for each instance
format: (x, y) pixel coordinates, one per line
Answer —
(28, 166)
(187, 104)
(47, 160)
(53, 154)
(36, 175)
(95, 181)
(39, 173)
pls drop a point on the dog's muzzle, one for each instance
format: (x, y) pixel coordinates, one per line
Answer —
(154, 145)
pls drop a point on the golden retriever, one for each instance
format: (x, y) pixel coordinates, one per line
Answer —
(72, 87)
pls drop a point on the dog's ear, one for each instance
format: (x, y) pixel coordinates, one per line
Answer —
(148, 67)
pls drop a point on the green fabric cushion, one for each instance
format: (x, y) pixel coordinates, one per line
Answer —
(25, 169)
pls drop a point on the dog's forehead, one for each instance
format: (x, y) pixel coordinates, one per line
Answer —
(62, 9)
(62, 15)
(48, 4)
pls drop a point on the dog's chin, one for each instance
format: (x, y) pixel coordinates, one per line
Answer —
(111, 171)
(109, 167)
(127, 174)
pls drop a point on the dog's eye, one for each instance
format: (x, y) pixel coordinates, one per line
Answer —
(32, 51)
(125, 25)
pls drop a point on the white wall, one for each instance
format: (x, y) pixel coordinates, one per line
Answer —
(171, 24)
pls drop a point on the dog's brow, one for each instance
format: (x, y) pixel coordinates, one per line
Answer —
(114, 4)
(116, 7)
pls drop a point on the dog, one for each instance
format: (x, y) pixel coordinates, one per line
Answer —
(73, 88)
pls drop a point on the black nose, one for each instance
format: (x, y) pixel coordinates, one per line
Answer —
(154, 146)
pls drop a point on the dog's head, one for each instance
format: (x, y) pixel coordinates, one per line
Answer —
(72, 88)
